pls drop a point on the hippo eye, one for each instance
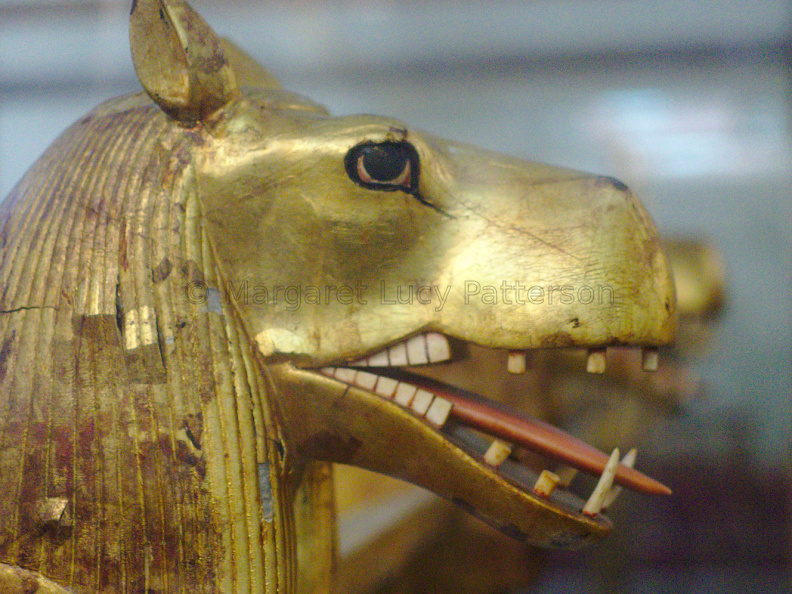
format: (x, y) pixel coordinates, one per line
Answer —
(383, 166)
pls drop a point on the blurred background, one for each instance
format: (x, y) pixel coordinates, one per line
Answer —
(687, 102)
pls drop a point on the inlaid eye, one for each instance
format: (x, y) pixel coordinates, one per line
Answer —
(383, 166)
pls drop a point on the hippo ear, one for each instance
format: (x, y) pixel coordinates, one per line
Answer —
(179, 59)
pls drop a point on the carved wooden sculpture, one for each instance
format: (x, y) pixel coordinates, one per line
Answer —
(193, 281)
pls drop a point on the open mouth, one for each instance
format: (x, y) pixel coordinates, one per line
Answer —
(494, 434)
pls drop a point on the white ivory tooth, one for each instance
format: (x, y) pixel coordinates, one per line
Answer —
(416, 350)
(613, 493)
(385, 386)
(516, 362)
(365, 380)
(437, 347)
(497, 453)
(566, 474)
(650, 359)
(397, 354)
(328, 371)
(546, 483)
(345, 375)
(596, 361)
(594, 503)
(439, 411)
(404, 394)
(431, 347)
(421, 401)
(379, 359)
(629, 458)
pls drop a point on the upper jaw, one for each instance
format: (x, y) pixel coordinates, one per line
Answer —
(371, 413)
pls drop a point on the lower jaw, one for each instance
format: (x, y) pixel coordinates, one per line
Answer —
(333, 420)
(525, 475)
(475, 440)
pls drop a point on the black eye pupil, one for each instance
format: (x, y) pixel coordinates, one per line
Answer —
(384, 162)
(384, 166)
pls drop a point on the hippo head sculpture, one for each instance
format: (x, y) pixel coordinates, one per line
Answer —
(215, 289)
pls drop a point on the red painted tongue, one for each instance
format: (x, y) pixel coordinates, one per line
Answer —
(538, 436)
